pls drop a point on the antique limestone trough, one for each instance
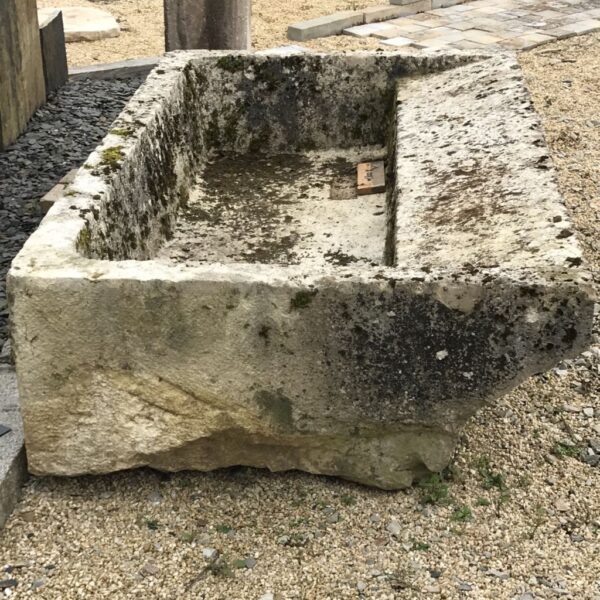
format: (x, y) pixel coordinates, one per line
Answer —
(211, 291)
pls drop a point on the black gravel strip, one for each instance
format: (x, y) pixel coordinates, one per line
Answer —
(59, 138)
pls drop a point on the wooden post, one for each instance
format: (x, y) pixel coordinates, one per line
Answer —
(22, 87)
(207, 24)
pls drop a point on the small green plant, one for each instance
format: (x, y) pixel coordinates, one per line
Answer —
(434, 490)
(152, 524)
(462, 514)
(220, 567)
(490, 478)
(348, 500)
(539, 518)
(420, 546)
(223, 528)
(187, 536)
(239, 563)
(482, 502)
(299, 522)
(563, 450)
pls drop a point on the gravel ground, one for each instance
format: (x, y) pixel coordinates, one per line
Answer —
(517, 516)
(58, 139)
(142, 35)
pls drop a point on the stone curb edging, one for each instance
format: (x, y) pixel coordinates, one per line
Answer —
(116, 70)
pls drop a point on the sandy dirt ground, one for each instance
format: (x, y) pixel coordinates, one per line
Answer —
(142, 35)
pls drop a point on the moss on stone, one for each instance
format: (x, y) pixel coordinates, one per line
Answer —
(302, 299)
(111, 157)
(122, 132)
(231, 64)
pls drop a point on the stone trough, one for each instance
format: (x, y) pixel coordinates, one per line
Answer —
(210, 291)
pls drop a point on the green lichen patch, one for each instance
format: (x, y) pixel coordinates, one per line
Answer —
(123, 132)
(231, 64)
(303, 299)
(111, 158)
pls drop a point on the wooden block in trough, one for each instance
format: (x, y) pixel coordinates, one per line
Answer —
(371, 178)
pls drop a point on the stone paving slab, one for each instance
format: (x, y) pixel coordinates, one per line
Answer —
(487, 24)
(84, 24)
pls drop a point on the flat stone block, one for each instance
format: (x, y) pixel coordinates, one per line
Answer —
(85, 24)
(527, 41)
(445, 3)
(481, 37)
(117, 70)
(579, 27)
(55, 194)
(213, 291)
(13, 464)
(368, 30)
(412, 8)
(325, 26)
(383, 12)
(54, 52)
(398, 42)
(388, 34)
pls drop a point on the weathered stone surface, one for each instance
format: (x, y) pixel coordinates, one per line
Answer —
(284, 354)
(84, 23)
(22, 88)
(54, 51)
(324, 26)
(13, 465)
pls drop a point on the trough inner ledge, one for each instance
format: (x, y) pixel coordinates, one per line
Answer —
(211, 290)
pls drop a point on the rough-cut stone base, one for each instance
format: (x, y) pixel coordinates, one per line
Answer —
(360, 351)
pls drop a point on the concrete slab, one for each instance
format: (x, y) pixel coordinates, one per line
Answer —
(200, 300)
(84, 23)
(117, 70)
(54, 52)
(324, 26)
(399, 41)
(374, 14)
(368, 30)
(13, 464)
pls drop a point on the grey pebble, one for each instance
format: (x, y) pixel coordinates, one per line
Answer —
(394, 528)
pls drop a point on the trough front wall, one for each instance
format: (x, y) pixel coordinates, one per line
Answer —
(295, 362)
